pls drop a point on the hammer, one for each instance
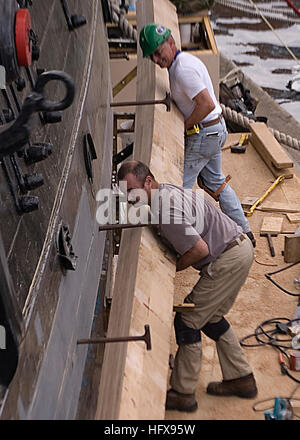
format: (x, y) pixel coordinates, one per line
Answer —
(145, 337)
(269, 235)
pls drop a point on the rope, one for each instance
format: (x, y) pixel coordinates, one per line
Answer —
(118, 16)
(245, 122)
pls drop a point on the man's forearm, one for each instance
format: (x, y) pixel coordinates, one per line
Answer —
(204, 105)
(198, 115)
(193, 256)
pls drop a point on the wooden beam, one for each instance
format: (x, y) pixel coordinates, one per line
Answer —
(210, 35)
(293, 217)
(134, 380)
(279, 207)
(271, 225)
(270, 150)
(292, 248)
(124, 81)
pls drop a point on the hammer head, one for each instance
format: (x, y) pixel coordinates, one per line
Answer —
(147, 337)
(167, 101)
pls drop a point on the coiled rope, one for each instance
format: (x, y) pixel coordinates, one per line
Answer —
(245, 122)
(118, 16)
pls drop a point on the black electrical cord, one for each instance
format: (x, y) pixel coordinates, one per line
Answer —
(269, 275)
(271, 338)
(270, 335)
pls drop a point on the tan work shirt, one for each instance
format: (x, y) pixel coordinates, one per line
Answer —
(185, 216)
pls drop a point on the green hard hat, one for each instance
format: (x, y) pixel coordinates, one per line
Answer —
(151, 36)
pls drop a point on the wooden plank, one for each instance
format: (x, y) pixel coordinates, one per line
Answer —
(272, 225)
(193, 18)
(247, 202)
(183, 307)
(279, 207)
(292, 248)
(293, 217)
(288, 173)
(134, 380)
(210, 35)
(264, 142)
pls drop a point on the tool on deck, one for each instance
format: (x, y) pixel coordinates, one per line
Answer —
(166, 102)
(262, 198)
(145, 337)
(271, 227)
(270, 242)
(240, 147)
(214, 195)
(282, 410)
(184, 307)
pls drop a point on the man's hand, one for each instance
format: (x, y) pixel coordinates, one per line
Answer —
(193, 256)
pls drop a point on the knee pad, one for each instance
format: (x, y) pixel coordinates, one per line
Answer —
(216, 330)
(184, 334)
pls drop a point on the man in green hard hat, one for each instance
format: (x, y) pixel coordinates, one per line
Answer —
(205, 129)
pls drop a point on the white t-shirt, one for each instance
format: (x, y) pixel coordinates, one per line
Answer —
(188, 77)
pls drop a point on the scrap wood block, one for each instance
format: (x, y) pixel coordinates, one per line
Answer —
(247, 202)
(293, 217)
(292, 248)
(271, 225)
(270, 150)
(279, 206)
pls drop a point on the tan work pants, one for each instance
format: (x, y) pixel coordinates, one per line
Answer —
(213, 296)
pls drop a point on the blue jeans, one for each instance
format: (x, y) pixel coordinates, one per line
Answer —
(203, 155)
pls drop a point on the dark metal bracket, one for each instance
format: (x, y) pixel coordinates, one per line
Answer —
(90, 154)
(124, 154)
(17, 135)
(73, 21)
(24, 204)
(65, 249)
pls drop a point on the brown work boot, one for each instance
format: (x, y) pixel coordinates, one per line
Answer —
(241, 387)
(181, 402)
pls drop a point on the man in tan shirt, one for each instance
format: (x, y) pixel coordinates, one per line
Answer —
(203, 237)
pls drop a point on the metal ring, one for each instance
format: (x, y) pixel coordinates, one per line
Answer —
(51, 75)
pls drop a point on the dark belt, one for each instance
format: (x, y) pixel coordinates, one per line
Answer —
(196, 127)
(235, 242)
(213, 122)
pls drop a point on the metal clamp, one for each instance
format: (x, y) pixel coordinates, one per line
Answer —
(17, 135)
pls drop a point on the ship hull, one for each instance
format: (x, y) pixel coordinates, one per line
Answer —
(57, 304)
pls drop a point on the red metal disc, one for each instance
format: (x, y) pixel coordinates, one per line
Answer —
(23, 43)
